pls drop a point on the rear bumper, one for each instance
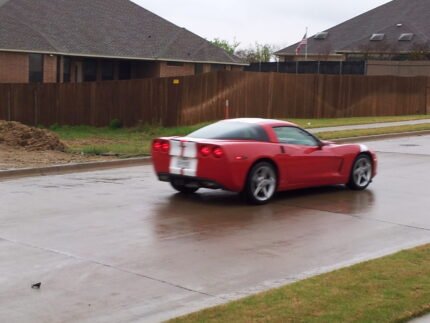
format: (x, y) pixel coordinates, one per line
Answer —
(190, 181)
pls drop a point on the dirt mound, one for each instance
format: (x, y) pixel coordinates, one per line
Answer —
(16, 134)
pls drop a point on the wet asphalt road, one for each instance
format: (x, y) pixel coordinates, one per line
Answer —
(119, 246)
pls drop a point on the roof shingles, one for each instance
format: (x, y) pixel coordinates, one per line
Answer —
(354, 34)
(105, 28)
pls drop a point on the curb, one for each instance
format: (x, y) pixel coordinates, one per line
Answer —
(73, 168)
(86, 167)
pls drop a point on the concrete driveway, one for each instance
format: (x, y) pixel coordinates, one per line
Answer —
(119, 246)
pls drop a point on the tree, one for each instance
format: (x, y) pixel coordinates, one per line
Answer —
(229, 47)
(257, 53)
(253, 54)
(420, 51)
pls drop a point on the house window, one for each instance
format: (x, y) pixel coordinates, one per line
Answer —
(107, 70)
(198, 69)
(36, 68)
(406, 37)
(377, 37)
(175, 64)
(124, 70)
(321, 35)
(90, 70)
(66, 69)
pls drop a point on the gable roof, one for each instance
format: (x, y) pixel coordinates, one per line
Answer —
(393, 19)
(101, 28)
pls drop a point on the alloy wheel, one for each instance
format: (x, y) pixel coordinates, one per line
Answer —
(263, 183)
(362, 173)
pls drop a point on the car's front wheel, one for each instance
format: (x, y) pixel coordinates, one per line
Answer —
(182, 188)
(261, 183)
(361, 173)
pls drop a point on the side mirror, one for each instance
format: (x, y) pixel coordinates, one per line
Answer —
(323, 143)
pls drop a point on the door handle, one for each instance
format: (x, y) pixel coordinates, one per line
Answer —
(282, 149)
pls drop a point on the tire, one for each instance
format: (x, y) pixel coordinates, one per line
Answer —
(181, 188)
(261, 184)
(361, 173)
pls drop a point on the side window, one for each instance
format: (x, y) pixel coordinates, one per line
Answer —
(295, 136)
(67, 71)
(36, 68)
(124, 70)
(90, 70)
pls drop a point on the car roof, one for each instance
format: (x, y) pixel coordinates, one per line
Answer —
(262, 121)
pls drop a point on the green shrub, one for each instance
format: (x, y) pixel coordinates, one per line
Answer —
(115, 124)
(94, 150)
(54, 127)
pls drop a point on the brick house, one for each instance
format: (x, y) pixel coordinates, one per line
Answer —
(60, 41)
(393, 39)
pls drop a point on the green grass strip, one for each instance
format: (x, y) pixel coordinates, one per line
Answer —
(136, 141)
(391, 289)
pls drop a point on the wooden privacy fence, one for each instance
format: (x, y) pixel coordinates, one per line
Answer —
(195, 99)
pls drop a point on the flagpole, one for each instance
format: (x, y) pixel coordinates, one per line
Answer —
(306, 53)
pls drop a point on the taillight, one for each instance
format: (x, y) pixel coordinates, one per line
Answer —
(161, 145)
(156, 145)
(218, 152)
(205, 151)
(165, 147)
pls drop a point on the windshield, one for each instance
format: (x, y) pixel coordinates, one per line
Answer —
(231, 130)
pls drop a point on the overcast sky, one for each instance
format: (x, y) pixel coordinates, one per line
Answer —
(279, 22)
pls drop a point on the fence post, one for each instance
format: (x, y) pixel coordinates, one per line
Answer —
(271, 89)
(428, 96)
(9, 103)
(35, 106)
(318, 94)
(174, 101)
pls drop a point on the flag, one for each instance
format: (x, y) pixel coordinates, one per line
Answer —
(304, 42)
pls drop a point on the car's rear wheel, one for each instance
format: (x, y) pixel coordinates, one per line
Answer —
(361, 173)
(182, 188)
(260, 186)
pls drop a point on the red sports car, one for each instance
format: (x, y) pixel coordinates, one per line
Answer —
(259, 157)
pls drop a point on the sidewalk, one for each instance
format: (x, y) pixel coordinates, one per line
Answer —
(73, 168)
(370, 126)
(424, 319)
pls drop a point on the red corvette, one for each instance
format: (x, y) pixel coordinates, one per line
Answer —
(259, 157)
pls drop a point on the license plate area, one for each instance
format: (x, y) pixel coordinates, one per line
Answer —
(183, 163)
(183, 166)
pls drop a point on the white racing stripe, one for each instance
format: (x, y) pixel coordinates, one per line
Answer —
(175, 148)
(190, 149)
(183, 158)
(174, 169)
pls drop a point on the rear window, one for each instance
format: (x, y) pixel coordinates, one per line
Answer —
(231, 130)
